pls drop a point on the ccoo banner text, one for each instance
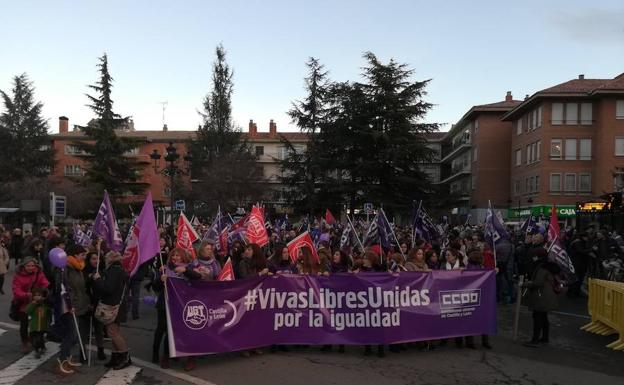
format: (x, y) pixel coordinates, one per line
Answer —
(356, 309)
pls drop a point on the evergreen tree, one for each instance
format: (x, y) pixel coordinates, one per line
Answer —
(107, 164)
(302, 171)
(222, 159)
(23, 134)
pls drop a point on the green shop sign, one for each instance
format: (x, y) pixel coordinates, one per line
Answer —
(562, 211)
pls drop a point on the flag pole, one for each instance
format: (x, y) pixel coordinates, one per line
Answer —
(355, 233)
(394, 235)
(413, 226)
(493, 241)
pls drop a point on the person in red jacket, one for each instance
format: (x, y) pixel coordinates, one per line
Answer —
(27, 277)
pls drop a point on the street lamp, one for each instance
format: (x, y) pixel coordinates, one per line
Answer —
(171, 169)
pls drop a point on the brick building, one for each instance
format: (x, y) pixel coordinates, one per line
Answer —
(567, 145)
(475, 159)
(266, 145)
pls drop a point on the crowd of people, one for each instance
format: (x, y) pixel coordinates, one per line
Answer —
(61, 304)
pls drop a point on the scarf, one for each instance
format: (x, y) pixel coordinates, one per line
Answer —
(455, 266)
(75, 262)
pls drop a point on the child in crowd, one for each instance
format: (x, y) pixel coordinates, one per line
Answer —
(39, 318)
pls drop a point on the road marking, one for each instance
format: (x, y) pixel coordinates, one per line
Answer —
(173, 373)
(9, 325)
(20, 368)
(118, 377)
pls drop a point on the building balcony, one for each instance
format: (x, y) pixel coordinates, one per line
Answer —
(457, 174)
(465, 146)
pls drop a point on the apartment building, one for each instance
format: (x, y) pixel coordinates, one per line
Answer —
(266, 145)
(475, 159)
(567, 145)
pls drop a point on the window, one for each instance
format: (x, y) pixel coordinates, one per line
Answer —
(570, 182)
(555, 182)
(534, 117)
(619, 146)
(519, 127)
(475, 154)
(618, 182)
(528, 154)
(474, 182)
(44, 147)
(534, 157)
(518, 157)
(476, 126)
(586, 113)
(70, 149)
(532, 184)
(259, 150)
(73, 170)
(585, 182)
(517, 187)
(619, 109)
(570, 149)
(557, 113)
(527, 187)
(539, 116)
(537, 186)
(555, 149)
(585, 151)
(134, 151)
(167, 192)
(571, 113)
(539, 149)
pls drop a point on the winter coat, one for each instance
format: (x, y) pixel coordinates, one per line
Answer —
(76, 286)
(282, 267)
(39, 316)
(415, 266)
(4, 260)
(23, 283)
(542, 296)
(246, 268)
(112, 288)
(208, 270)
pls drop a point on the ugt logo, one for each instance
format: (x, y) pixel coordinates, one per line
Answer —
(453, 299)
(195, 315)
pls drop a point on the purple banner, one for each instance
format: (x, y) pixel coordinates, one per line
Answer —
(350, 309)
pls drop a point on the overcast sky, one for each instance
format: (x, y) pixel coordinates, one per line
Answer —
(474, 51)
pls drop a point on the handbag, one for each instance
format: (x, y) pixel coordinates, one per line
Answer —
(15, 306)
(107, 314)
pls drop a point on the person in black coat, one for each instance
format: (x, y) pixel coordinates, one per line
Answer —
(112, 287)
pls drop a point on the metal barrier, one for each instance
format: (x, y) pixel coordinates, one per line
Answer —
(606, 307)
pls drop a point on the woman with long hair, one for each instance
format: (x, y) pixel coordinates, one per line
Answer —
(112, 286)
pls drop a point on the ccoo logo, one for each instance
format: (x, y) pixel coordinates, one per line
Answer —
(452, 299)
(195, 315)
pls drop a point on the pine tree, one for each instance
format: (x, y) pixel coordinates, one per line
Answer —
(222, 158)
(24, 134)
(302, 171)
(107, 164)
(396, 130)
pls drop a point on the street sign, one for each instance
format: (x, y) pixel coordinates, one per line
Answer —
(60, 208)
(180, 205)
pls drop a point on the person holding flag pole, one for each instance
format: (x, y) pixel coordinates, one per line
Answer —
(394, 235)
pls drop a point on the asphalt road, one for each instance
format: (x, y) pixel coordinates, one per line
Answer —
(573, 357)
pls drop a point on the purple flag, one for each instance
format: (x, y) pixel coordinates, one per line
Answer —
(80, 238)
(106, 227)
(494, 229)
(143, 240)
(368, 308)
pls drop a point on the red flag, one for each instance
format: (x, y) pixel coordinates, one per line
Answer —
(186, 235)
(329, 218)
(227, 273)
(303, 240)
(256, 231)
(553, 229)
(223, 242)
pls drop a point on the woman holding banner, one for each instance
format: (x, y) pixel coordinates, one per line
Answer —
(253, 263)
(372, 263)
(280, 262)
(177, 265)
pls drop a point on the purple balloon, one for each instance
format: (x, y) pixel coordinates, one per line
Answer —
(150, 300)
(58, 257)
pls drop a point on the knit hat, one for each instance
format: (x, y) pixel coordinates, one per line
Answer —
(26, 260)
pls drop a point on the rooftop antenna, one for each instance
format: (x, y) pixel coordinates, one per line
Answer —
(164, 108)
